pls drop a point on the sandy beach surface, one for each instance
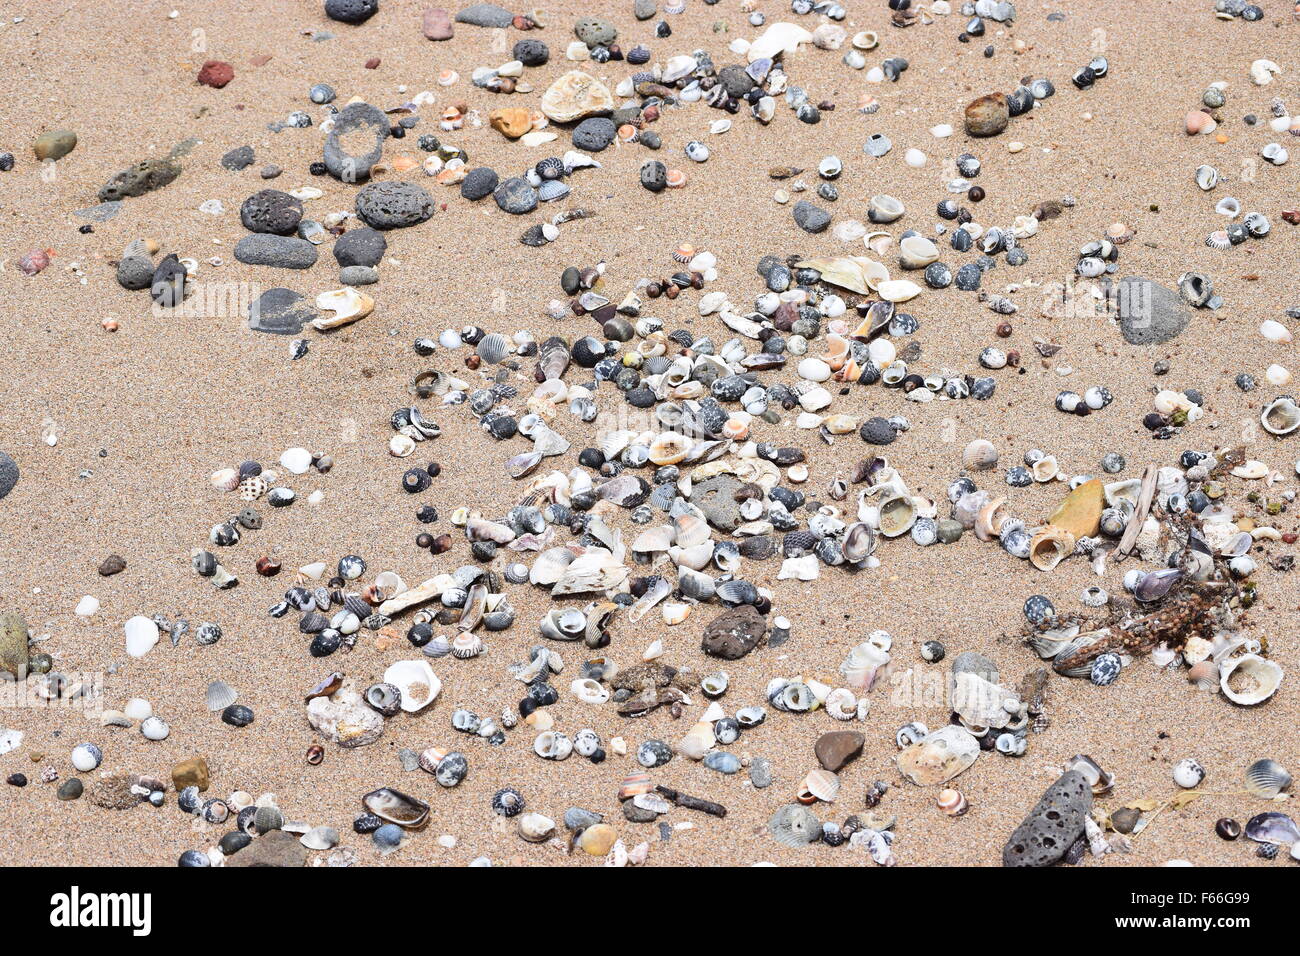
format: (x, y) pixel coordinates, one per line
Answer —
(116, 433)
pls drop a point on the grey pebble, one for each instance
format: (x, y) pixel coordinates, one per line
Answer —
(281, 252)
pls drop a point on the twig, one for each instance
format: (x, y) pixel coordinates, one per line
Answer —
(693, 803)
(1139, 514)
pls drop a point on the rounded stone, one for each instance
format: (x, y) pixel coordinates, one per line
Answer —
(135, 273)
(360, 247)
(282, 252)
(479, 183)
(516, 196)
(351, 11)
(271, 211)
(531, 52)
(594, 135)
(359, 275)
(811, 218)
(394, 205)
(594, 31)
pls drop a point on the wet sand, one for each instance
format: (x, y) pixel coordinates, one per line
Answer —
(150, 411)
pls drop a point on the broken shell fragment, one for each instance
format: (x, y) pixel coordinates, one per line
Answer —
(1250, 679)
(347, 304)
(941, 756)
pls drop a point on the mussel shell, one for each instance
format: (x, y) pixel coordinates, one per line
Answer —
(1272, 827)
(393, 806)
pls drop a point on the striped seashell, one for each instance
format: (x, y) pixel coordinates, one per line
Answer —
(220, 695)
(552, 189)
(1218, 239)
(227, 479)
(466, 645)
(493, 348)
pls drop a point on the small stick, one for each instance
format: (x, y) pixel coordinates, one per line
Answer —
(693, 803)
(1139, 514)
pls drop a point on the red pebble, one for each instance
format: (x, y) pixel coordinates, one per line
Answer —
(216, 74)
(372, 63)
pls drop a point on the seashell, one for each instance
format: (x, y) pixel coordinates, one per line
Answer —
(897, 515)
(1204, 675)
(884, 209)
(466, 645)
(841, 704)
(669, 448)
(1045, 469)
(393, 806)
(1281, 416)
(794, 826)
(917, 252)
(941, 756)
(564, 624)
(383, 697)
(675, 612)
(697, 742)
(634, 784)
(865, 40)
(979, 455)
(220, 695)
(863, 665)
(951, 802)
(416, 682)
(1272, 827)
(493, 348)
(347, 304)
(988, 522)
(552, 745)
(1250, 679)
(822, 784)
(225, 479)
(898, 290)
(1049, 547)
(536, 828)
(1267, 778)
(859, 542)
(1207, 177)
(589, 691)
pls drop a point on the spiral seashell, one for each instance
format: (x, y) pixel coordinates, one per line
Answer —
(552, 745)
(589, 691)
(952, 802)
(841, 704)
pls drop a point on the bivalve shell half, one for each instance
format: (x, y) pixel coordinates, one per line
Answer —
(822, 784)
(1280, 416)
(417, 682)
(917, 252)
(1250, 679)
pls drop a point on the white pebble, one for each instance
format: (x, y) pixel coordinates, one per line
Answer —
(914, 158)
(1275, 331)
(942, 131)
(87, 606)
(137, 708)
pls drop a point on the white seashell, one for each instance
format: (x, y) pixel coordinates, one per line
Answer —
(346, 303)
(898, 290)
(915, 252)
(226, 479)
(155, 728)
(10, 740)
(220, 695)
(417, 682)
(1275, 332)
(296, 460)
(141, 635)
(777, 39)
(589, 691)
(400, 446)
(137, 708)
(1250, 679)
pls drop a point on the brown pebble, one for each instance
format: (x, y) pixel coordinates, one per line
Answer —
(268, 567)
(113, 564)
(372, 63)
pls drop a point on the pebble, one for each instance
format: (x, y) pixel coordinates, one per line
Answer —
(593, 135)
(280, 252)
(394, 205)
(811, 218)
(515, 196)
(360, 247)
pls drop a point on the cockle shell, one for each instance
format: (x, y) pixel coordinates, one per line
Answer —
(1250, 679)
(822, 784)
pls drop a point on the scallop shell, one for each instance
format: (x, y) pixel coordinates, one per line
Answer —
(417, 682)
(1250, 679)
(226, 479)
(1049, 547)
(220, 695)
(1267, 778)
(795, 825)
(1280, 416)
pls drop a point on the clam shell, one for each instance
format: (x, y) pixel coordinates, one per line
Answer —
(898, 290)
(897, 515)
(822, 784)
(1250, 679)
(1280, 416)
(493, 348)
(346, 303)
